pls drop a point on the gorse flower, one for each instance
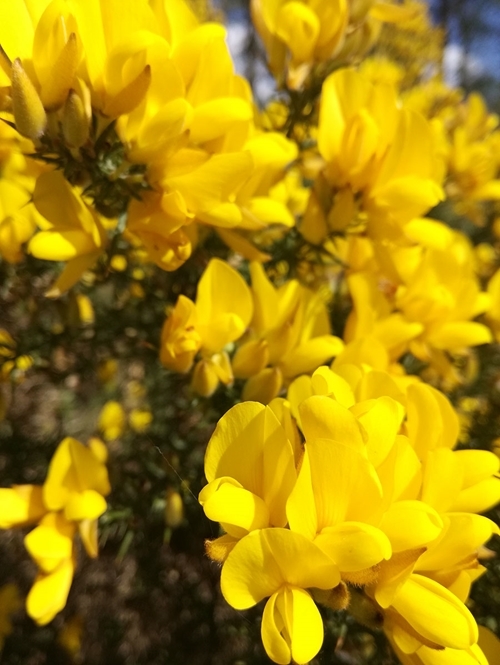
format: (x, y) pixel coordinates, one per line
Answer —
(380, 161)
(369, 502)
(70, 501)
(282, 332)
(298, 35)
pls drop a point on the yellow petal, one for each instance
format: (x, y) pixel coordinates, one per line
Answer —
(21, 505)
(217, 116)
(241, 245)
(250, 358)
(51, 543)
(49, 593)
(442, 479)
(310, 354)
(490, 645)
(88, 534)
(86, 505)
(71, 274)
(411, 524)
(354, 546)
(225, 501)
(223, 304)
(298, 26)
(264, 386)
(436, 613)
(262, 562)
(381, 419)
(324, 418)
(61, 246)
(292, 627)
(457, 335)
(460, 538)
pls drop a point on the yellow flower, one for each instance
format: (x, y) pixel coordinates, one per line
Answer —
(299, 34)
(17, 224)
(180, 341)
(70, 635)
(281, 564)
(290, 332)
(250, 468)
(71, 230)
(112, 420)
(220, 315)
(70, 500)
(380, 161)
(140, 419)
(174, 509)
(427, 304)
(177, 154)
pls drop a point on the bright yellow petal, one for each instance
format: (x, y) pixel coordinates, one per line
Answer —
(262, 562)
(224, 501)
(86, 505)
(436, 613)
(354, 546)
(292, 627)
(49, 593)
(411, 524)
(51, 543)
(21, 505)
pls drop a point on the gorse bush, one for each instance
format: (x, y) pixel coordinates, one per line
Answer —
(318, 280)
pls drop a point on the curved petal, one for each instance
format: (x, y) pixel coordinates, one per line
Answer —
(436, 613)
(21, 505)
(262, 562)
(49, 593)
(292, 627)
(354, 546)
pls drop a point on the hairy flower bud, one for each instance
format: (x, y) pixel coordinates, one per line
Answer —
(29, 114)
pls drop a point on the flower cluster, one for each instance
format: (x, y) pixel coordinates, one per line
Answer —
(300, 36)
(348, 495)
(87, 89)
(282, 332)
(69, 502)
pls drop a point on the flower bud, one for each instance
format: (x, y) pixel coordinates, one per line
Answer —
(75, 123)
(62, 75)
(29, 114)
(251, 358)
(174, 509)
(205, 379)
(263, 387)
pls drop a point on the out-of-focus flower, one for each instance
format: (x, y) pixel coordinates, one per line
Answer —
(298, 35)
(429, 312)
(381, 166)
(70, 500)
(220, 315)
(290, 334)
(10, 602)
(71, 230)
(112, 420)
(174, 509)
(70, 635)
(140, 419)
